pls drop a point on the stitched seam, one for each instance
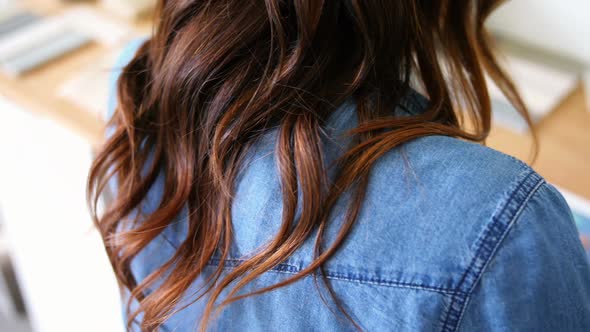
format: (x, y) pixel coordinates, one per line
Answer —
(396, 284)
(465, 303)
(478, 250)
(168, 241)
(388, 283)
(461, 296)
(292, 269)
(510, 226)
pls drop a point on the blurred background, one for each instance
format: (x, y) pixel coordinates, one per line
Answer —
(55, 61)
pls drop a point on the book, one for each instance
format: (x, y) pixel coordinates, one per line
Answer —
(42, 53)
(30, 37)
(48, 38)
(14, 22)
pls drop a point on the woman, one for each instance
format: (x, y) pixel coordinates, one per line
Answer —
(274, 168)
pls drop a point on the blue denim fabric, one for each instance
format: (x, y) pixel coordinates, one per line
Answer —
(452, 236)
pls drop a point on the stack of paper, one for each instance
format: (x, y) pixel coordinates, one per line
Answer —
(28, 41)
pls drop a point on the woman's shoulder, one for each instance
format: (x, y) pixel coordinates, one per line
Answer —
(448, 216)
(444, 207)
(454, 171)
(510, 244)
(466, 188)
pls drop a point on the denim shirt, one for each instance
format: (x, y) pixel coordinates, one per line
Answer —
(452, 236)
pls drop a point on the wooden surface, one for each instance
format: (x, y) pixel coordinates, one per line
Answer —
(564, 136)
(564, 145)
(37, 91)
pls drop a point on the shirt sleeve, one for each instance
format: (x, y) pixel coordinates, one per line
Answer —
(539, 279)
(124, 58)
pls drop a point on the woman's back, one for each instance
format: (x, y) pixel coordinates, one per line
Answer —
(452, 236)
(272, 169)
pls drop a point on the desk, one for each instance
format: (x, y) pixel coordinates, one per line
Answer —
(564, 136)
(37, 91)
(564, 145)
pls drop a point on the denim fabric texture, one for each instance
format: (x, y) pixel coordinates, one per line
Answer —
(452, 236)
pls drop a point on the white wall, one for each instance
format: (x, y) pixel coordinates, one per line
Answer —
(562, 26)
(67, 282)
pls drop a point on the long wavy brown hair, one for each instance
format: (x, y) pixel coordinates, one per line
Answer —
(217, 74)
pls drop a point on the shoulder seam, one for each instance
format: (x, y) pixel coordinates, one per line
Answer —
(488, 243)
(168, 241)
